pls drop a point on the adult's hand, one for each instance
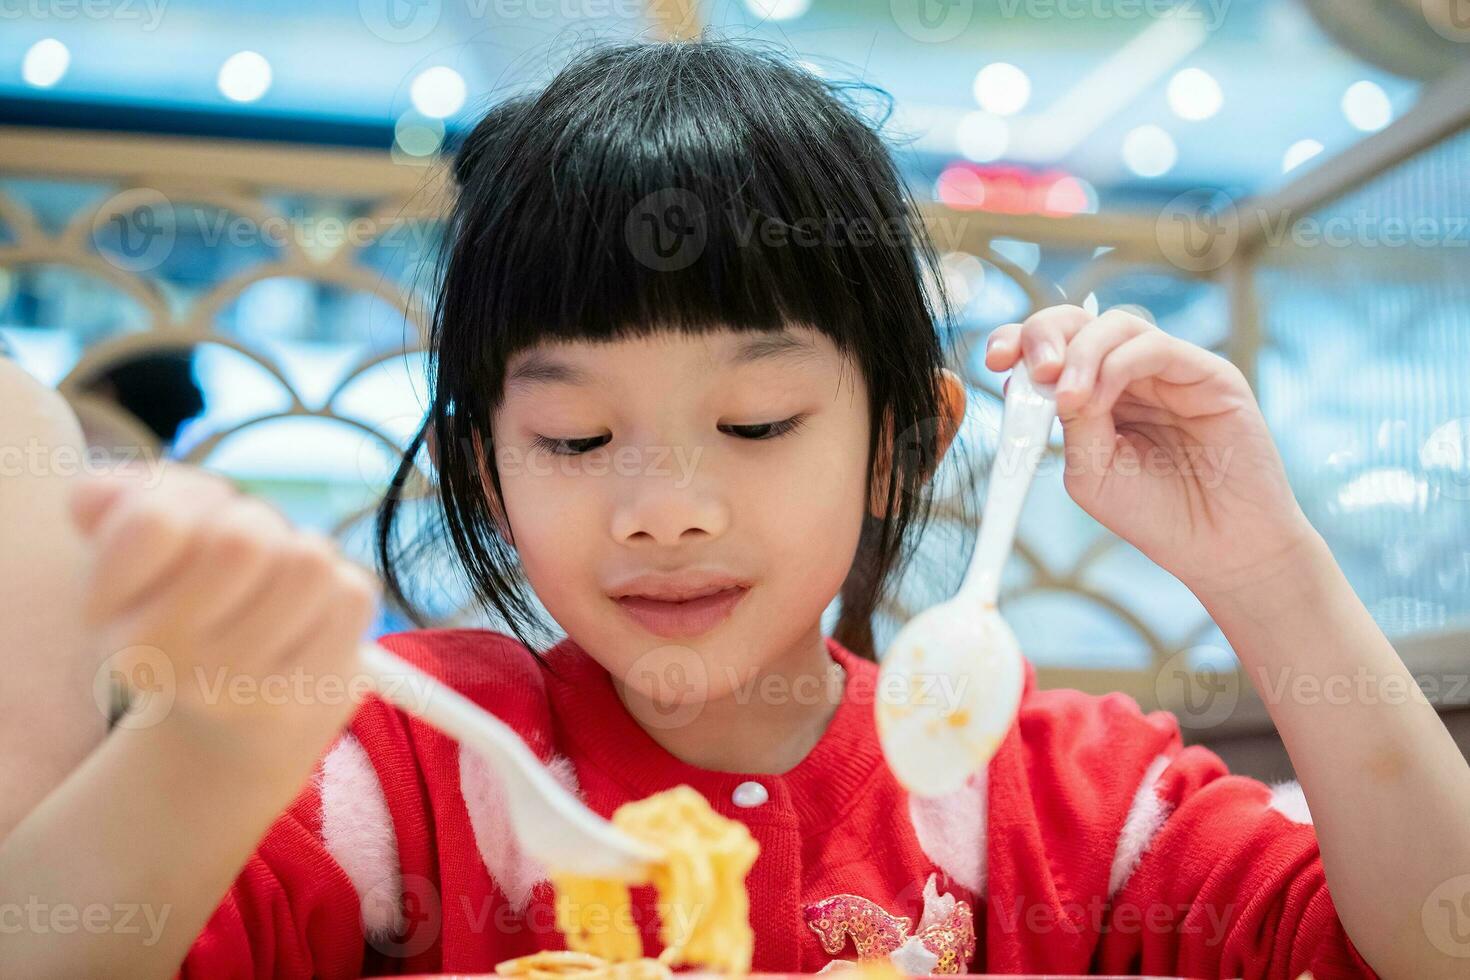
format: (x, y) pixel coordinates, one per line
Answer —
(49, 719)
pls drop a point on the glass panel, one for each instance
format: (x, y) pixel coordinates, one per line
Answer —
(1365, 380)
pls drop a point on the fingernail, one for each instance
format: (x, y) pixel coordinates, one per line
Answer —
(1048, 353)
(1070, 379)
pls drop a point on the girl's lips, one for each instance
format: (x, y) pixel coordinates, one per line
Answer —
(683, 619)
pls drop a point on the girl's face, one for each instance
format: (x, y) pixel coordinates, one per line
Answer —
(730, 453)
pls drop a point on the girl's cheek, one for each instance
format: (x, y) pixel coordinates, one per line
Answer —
(565, 508)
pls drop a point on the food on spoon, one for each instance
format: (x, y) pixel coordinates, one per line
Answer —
(961, 686)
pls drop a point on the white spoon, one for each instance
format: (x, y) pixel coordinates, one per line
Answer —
(551, 824)
(950, 682)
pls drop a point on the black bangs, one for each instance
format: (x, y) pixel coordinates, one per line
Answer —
(675, 186)
(681, 186)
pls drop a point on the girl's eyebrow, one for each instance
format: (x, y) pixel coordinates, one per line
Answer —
(543, 369)
(540, 368)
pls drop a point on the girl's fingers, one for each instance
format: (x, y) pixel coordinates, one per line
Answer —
(169, 617)
(230, 563)
(1086, 352)
(329, 645)
(1042, 339)
(1068, 337)
(326, 643)
(1153, 354)
(332, 642)
(143, 537)
(300, 586)
(1045, 336)
(1000, 348)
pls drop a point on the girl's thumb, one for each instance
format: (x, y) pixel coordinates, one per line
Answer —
(1090, 441)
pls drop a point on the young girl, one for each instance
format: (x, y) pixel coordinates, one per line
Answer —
(687, 391)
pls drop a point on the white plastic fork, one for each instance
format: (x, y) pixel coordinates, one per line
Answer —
(550, 823)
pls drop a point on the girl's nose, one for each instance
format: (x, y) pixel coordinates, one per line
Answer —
(660, 511)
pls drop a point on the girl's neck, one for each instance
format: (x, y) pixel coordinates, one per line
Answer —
(768, 723)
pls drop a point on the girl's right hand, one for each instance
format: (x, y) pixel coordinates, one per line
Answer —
(209, 600)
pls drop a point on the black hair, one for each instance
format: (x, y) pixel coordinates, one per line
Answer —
(681, 186)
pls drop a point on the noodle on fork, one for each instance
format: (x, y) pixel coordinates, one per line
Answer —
(704, 909)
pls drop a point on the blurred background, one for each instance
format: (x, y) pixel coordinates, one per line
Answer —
(217, 221)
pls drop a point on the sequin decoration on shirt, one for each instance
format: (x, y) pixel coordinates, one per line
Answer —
(943, 943)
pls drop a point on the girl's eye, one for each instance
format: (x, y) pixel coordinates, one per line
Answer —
(767, 430)
(574, 447)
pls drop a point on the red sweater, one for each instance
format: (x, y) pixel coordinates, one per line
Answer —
(1094, 842)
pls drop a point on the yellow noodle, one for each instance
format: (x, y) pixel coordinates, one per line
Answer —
(554, 960)
(594, 914)
(571, 965)
(704, 910)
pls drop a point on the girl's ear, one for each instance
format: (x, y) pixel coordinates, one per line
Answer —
(882, 470)
(942, 430)
(953, 408)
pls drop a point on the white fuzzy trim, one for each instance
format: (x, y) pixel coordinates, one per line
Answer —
(937, 907)
(358, 832)
(834, 966)
(914, 958)
(1288, 800)
(952, 829)
(1145, 816)
(514, 871)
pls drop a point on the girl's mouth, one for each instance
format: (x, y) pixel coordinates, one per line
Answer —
(683, 619)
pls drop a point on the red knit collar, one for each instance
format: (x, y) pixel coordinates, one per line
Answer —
(816, 792)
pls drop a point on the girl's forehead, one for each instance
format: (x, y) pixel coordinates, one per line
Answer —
(576, 362)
